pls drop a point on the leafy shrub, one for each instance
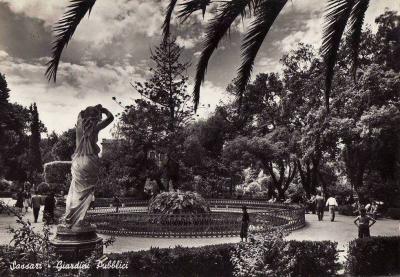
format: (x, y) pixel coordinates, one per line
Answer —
(270, 255)
(58, 175)
(346, 210)
(213, 260)
(394, 213)
(374, 256)
(5, 185)
(57, 172)
(311, 258)
(43, 188)
(178, 203)
(300, 258)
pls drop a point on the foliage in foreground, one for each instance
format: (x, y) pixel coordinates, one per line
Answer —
(28, 247)
(292, 258)
(271, 255)
(374, 256)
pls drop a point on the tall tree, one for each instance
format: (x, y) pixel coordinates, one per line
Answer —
(14, 120)
(158, 118)
(167, 86)
(35, 156)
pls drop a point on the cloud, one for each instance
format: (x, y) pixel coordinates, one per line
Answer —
(210, 97)
(111, 48)
(80, 86)
(266, 64)
(47, 11)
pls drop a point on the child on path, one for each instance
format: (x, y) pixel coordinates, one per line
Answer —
(363, 223)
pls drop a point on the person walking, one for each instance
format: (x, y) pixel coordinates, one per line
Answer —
(364, 222)
(332, 204)
(49, 206)
(245, 224)
(319, 203)
(20, 201)
(312, 204)
(35, 202)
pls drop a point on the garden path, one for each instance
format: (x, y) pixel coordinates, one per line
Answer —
(342, 230)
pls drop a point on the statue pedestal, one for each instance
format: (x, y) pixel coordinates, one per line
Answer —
(76, 243)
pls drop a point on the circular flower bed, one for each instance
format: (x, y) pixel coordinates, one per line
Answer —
(178, 203)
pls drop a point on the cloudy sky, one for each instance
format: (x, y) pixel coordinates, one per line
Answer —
(111, 48)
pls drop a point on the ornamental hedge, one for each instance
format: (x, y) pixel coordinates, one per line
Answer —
(207, 261)
(307, 258)
(57, 171)
(312, 258)
(57, 174)
(374, 256)
(394, 213)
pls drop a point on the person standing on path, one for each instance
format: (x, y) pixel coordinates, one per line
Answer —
(117, 203)
(49, 206)
(332, 204)
(36, 200)
(363, 223)
(245, 224)
(319, 202)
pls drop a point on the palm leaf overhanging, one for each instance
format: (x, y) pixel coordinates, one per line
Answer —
(192, 6)
(167, 20)
(356, 22)
(64, 30)
(340, 13)
(265, 15)
(216, 30)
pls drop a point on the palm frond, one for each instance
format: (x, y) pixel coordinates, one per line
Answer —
(216, 30)
(338, 12)
(192, 6)
(64, 30)
(167, 20)
(265, 14)
(356, 22)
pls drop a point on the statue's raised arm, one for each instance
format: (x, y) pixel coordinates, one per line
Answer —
(104, 123)
(85, 163)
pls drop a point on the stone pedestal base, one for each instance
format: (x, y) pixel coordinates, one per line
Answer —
(76, 243)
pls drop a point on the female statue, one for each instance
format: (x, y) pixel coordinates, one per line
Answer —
(85, 163)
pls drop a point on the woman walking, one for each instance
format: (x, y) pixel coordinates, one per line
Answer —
(20, 201)
(245, 224)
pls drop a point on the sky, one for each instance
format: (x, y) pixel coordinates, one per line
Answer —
(111, 48)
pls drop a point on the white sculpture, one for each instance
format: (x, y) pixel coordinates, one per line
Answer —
(85, 163)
